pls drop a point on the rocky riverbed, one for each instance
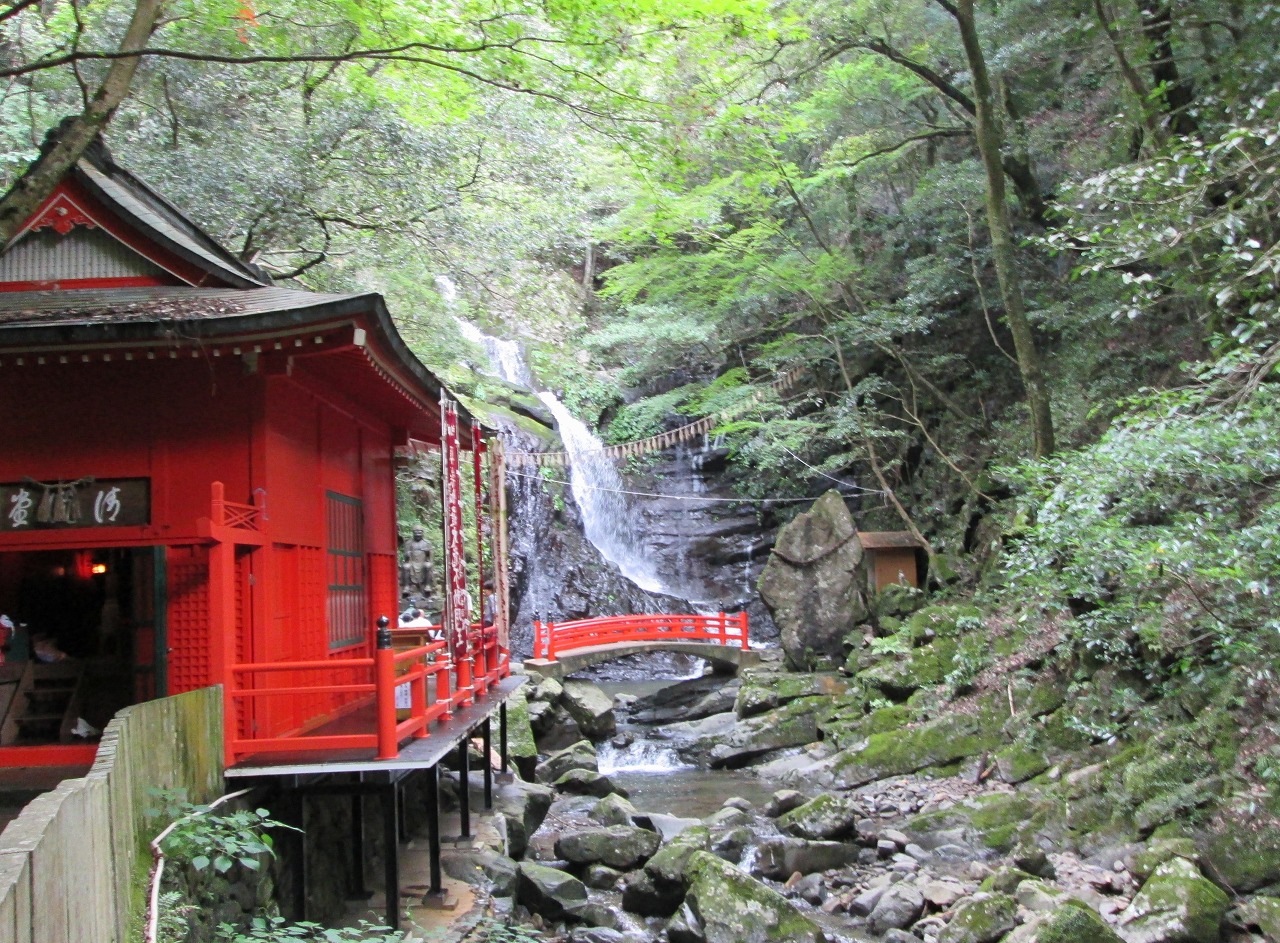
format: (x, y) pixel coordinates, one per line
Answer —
(878, 825)
(924, 772)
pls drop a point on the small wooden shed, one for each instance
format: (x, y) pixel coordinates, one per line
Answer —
(893, 556)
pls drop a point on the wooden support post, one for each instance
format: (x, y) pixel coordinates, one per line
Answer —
(486, 733)
(356, 889)
(433, 816)
(464, 787)
(296, 806)
(391, 853)
(502, 736)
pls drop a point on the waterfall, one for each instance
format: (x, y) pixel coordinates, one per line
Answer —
(609, 520)
(505, 359)
(611, 524)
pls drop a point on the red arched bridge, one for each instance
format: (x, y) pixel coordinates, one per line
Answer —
(561, 648)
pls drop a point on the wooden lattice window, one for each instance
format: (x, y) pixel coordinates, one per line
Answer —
(347, 603)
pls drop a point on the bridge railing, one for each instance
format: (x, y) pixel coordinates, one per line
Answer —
(553, 638)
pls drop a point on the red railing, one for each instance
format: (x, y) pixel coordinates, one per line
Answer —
(553, 638)
(230, 514)
(410, 662)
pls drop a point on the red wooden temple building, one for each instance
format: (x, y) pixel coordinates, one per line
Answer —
(198, 486)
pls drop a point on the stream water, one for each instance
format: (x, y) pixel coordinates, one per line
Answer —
(655, 776)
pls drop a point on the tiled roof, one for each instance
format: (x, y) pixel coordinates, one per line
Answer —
(118, 305)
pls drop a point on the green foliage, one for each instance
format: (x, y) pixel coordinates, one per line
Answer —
(277, 930)
(221, 840)
(1161, 537)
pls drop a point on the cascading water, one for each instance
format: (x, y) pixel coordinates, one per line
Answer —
(609, 521)
(607, 518)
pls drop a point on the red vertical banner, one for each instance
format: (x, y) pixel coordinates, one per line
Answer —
(498, 538)
(457, 605)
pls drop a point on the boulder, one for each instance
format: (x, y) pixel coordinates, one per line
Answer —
(813, 583)
(731, 843)
(687, 700)
(523, 806)
(558, 729)
(601, 877)
(658, 889)
(1240, 855)
(779, 858)
(937, 743)
(981, 919)
(548, 891)
(613, 809)
(730, 907)
(1072, 923)
(899, 906)
(1177, 904)
(1263, 913)
(795, 724)
(590, 707)
(784, 800)
(584, 782)
(618, 846)
(1143, 862)
(521, 747)
(580, 755)
(764, 690)
(826, 817)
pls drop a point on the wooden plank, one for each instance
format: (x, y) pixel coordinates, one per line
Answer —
(15, 897)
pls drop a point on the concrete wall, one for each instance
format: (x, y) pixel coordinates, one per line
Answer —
(68, 862)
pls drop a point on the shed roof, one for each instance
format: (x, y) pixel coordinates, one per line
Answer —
(889, 540)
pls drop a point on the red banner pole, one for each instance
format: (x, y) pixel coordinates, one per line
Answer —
(458, 604)
(478, 638)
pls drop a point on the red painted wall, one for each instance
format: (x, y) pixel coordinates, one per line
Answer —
(185, 423)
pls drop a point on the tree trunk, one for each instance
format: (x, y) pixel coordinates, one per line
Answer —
(990, 142)
(1177, 93)
(68, 142)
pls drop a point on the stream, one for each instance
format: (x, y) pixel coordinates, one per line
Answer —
(655, 776)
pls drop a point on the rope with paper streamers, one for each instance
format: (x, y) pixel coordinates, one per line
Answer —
(663, 440)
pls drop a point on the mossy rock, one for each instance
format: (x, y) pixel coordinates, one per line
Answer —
(896, 600)
(899, 752)
(521, 746)
(899, 675)
(729, 906)
(1074, 922)
(945, 620)
(1019, 762)
(1241, 855)
(1003, 820)
(1263, 913)
(1043, 697)
(763, 691)
(827, 817)
(1061, 734)
(668, 865)
(981, 920)
(1177, 904)
(1143, 863)
(843, 733)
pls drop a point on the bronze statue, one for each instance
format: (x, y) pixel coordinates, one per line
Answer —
(417, 575)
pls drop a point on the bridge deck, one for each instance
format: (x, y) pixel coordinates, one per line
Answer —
(566, 663)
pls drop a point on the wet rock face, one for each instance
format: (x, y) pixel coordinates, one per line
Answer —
(814, 583)
(706, 550)
(556, 573)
